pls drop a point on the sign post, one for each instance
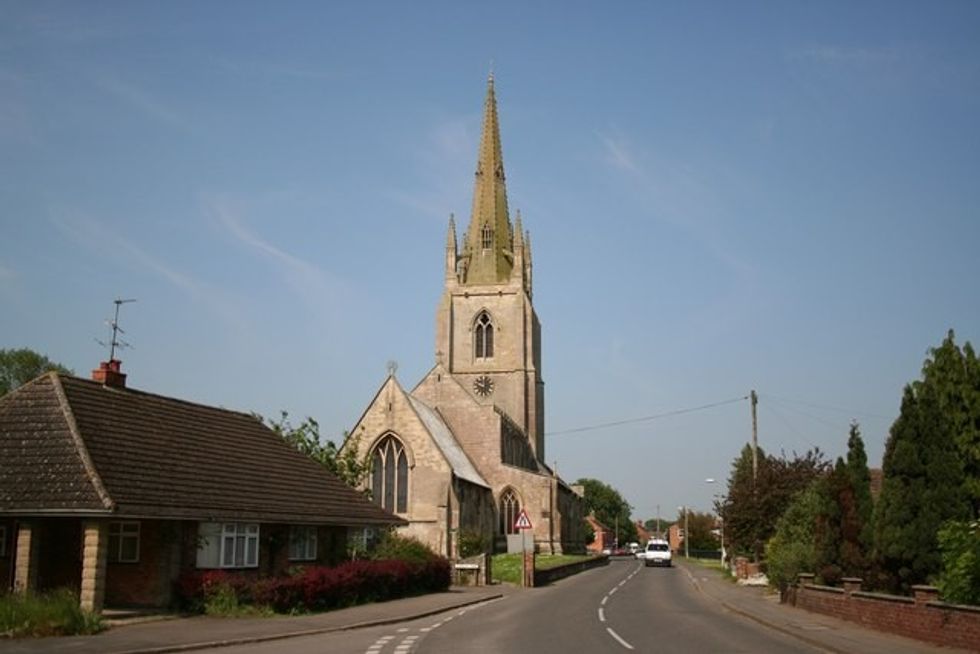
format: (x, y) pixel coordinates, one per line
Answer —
(523, 524)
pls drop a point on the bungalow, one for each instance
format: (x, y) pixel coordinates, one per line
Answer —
(115, 492)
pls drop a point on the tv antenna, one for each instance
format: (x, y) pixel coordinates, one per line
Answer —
(116, 330)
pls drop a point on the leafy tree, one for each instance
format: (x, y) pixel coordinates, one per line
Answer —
(610, 508)
(790, 551)
(751, 508)
(17, 367)
(700, 528)
(959, 542)
(922, 488)
(306, 438)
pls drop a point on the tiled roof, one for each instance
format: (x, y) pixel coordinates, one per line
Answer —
(156, 456)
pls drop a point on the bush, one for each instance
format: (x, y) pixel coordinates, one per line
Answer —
(402, 548)
(959, 543)
(472, 543)
(49, 614)
(316, 588)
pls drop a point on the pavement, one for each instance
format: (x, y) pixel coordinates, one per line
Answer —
(822, 631)
(181, 634)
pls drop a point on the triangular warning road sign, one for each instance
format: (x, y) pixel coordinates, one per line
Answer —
(523, 522)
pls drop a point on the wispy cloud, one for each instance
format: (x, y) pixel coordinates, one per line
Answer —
(137, 98)
(446, 160)
(270, 69)
(617, 155)
(838, 54)
(318, 288)
(97, 237)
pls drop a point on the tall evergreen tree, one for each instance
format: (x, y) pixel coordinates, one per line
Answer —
(953, 375)
(857, 519)
(835, 497)
(922, 488)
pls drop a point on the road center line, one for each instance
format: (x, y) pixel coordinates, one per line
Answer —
(603, 602)
(602, 615)
(618, 639)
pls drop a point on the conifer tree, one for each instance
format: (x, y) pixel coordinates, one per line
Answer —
(922, 488)
(835, 497)
(857, 520)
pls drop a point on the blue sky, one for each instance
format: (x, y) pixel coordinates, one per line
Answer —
(781, 196)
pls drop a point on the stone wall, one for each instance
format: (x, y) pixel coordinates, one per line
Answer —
(922, 616)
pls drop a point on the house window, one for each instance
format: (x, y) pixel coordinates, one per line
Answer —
(484, 336)
(3, 540)
(302, 543)
(124, 542)
(228, 545)
(487, 237)
(389, 475)
(510, 508)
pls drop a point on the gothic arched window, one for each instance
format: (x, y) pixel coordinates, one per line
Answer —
(484, 336)
(510, 508)
(487, 237)
(389, 475)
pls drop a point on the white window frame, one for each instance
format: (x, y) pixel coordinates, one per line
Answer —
(239, 545)
(302, 542)
(124, 531)
(3, 540)
(228, 545)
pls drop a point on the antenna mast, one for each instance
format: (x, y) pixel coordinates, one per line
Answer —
(116, 330)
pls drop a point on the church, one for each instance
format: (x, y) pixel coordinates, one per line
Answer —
(462, 453)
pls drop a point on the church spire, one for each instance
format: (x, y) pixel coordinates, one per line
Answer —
(488, 245)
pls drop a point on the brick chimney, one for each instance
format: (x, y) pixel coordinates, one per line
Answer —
(109, 374)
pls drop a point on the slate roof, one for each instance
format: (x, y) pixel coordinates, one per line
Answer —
(446, 442)
(70, 446)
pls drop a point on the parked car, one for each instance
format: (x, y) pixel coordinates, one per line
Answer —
(633, 548)
(657, 553)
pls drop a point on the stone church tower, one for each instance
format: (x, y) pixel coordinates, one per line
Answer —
(487, 333)
(462, 454)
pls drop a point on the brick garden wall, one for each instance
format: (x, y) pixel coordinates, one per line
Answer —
(922, 617)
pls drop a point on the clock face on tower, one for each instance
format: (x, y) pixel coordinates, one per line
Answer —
(483, 386)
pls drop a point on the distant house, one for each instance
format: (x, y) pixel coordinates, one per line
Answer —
(643, 535)
(604, 537)
(115, 492)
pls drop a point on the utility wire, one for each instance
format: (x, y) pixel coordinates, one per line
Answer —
(656, 416)
(828, 407)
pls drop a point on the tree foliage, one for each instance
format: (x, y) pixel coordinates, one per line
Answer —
(790, 551)
(306, 438)
(17, 367)
(751, 508)
(922, 488)
(959, 544)
(610, 508)
(952, 376)
(700, 530)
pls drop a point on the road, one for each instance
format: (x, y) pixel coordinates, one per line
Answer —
(620, 607)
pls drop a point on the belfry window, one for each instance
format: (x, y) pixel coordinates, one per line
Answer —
(510, 508)
(484, 336)
(389, 475)
(487, 237)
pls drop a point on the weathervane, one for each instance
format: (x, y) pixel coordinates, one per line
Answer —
(392, 368)
(115, 341)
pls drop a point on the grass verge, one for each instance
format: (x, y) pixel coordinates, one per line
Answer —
(508, 567)
(49, 614)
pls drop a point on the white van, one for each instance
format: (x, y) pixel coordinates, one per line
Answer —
(657, 553)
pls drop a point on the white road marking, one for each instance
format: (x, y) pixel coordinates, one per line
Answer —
(604, 600)
(403, 630)
(613, 591)
(602, 615)
(618, 639)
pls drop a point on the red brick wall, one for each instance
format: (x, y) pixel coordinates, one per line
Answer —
(148, 582)
(921, 617)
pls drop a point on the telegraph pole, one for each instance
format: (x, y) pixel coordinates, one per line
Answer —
(755, 438)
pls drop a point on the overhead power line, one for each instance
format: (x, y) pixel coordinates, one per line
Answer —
(666, 414)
